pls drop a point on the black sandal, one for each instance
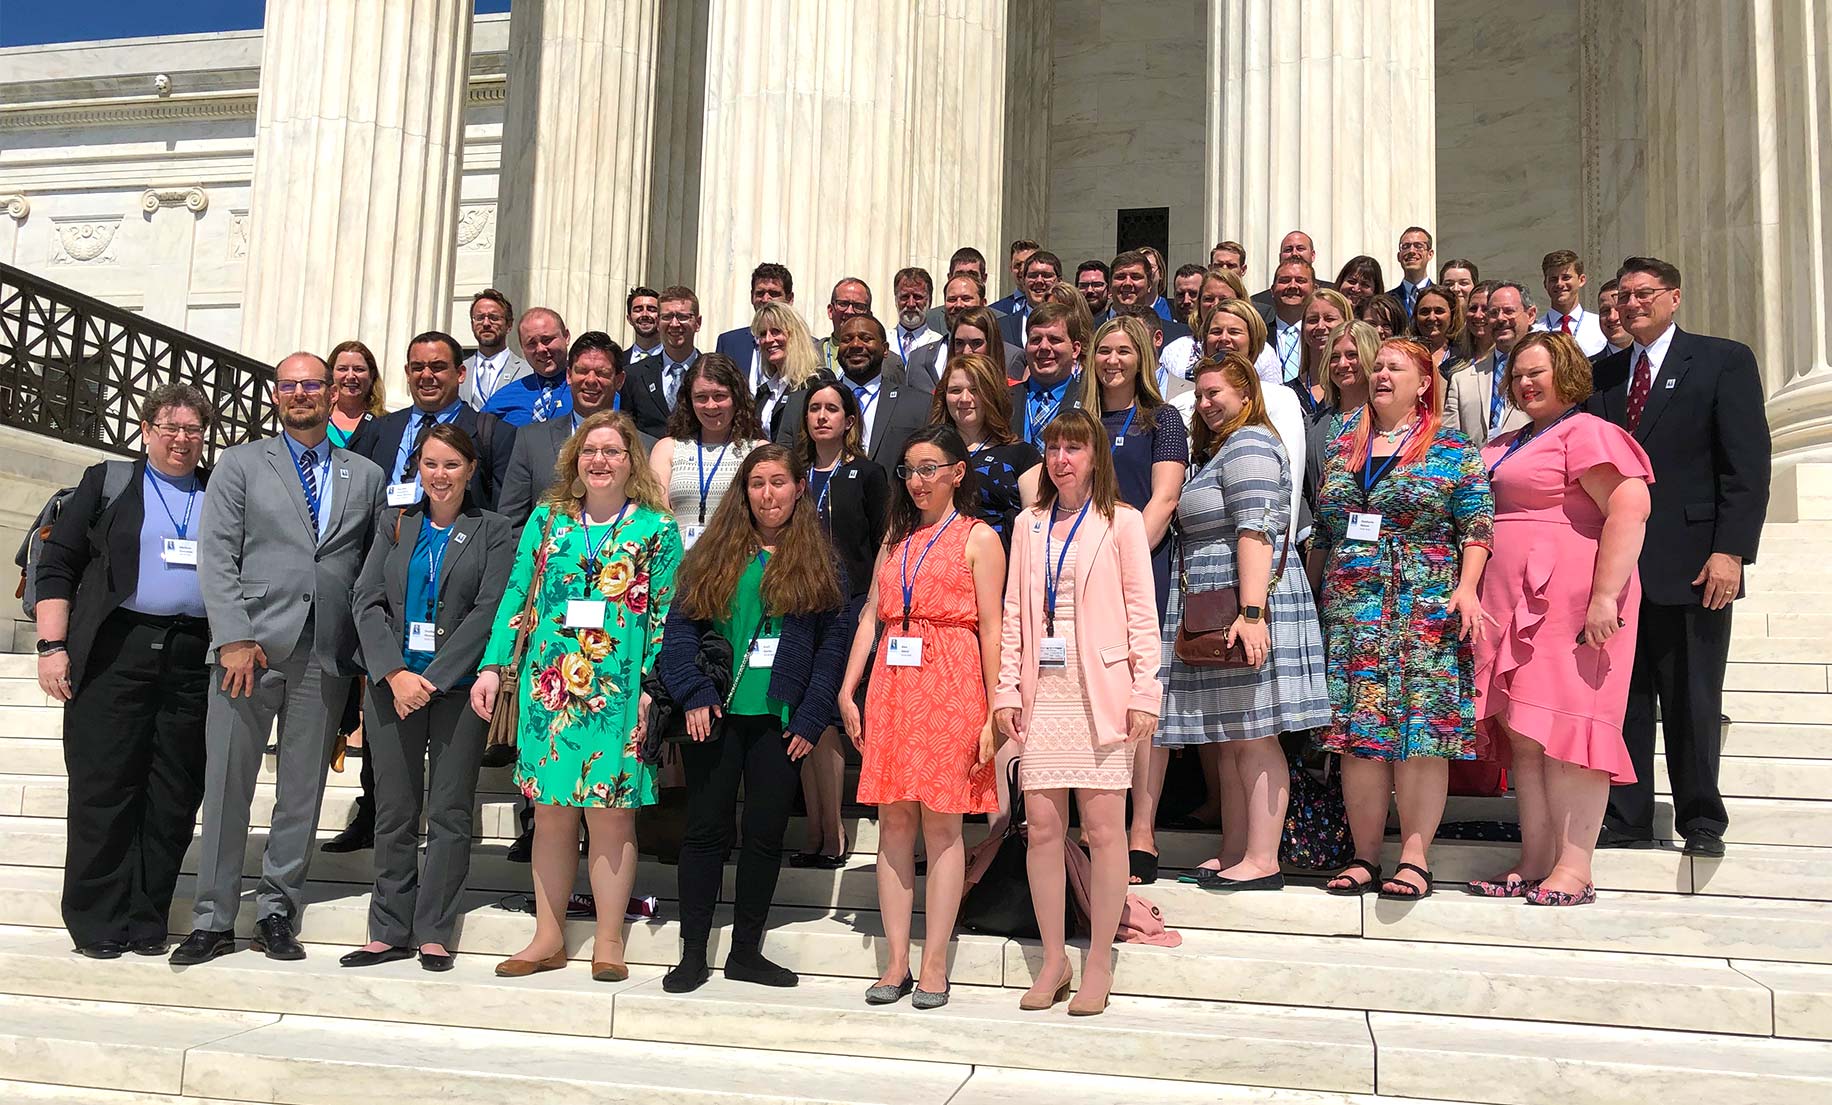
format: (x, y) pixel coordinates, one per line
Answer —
(1354, 889)
(1411, 893)
(1144, 867)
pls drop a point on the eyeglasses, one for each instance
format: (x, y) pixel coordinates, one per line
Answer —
(612, 453)
(1641, 295)
(1413, 247)
(851, 306)
(174, 429)
(288, 387)
(925, 473)
(430, 366)
(676, 316)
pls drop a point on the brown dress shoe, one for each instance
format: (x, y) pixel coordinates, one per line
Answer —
(522, 968)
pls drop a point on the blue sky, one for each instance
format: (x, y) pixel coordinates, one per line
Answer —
(32, 22)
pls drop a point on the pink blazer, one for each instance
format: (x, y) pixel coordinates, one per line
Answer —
(1116, 618)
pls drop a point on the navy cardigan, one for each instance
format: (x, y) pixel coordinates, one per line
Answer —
(810, 662)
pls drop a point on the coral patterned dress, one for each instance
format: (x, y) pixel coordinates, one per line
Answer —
(922, 724)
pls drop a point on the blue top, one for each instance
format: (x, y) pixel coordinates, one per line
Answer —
(818, 481)
(1042, 402)
(533, 398)
(173, 509)
(421, 601)
(1162, 306)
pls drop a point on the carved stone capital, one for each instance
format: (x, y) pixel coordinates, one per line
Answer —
(193, 199)
(16, 205)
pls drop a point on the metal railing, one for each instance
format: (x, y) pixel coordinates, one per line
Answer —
(77, 369)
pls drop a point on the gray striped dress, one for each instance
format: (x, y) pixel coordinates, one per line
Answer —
(1247, 486)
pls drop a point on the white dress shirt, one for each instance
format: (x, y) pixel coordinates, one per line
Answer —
(1657, 355)
(1585, 329)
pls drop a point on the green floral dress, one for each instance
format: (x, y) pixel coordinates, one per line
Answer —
(581, 687)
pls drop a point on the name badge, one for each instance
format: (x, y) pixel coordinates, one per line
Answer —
(176, 550)
(1364, 527)
(1053, 652)
(421, 637)
(403, 494)
(585, 613)
(763, 652)
(904, 652)
(690, 534)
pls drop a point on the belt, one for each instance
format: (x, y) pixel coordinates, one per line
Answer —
(164, 621)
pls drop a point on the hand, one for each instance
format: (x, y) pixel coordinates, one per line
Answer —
(54, 675)
(483, 693)
(1721, 578)
(798, 747)
(1140, 726)
(988, 743)
(1254, 637)
(1010, 722)
(851, 722)
(1601, 621)
(238, 660)
(1472, 622)
(411, 691)
(642, 719)
(699, 722)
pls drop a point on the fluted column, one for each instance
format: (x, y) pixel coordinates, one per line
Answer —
(1322, 117)
(355, 192)
(573, 214)
(956, 133)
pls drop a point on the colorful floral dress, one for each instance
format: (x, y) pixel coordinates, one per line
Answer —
(1400, 682)
(580, 688)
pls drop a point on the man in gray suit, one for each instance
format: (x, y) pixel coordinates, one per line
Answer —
(1476, 400)
(282, 538)
(494, 364)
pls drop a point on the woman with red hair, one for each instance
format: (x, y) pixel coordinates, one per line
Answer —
(1404, 524)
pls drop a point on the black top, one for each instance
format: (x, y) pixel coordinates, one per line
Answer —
(857, 503)
(998, 468)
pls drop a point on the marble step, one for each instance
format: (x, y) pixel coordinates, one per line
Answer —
(15, 665)
(42, 722)
(1006, 1086)
(23, 690)
(1778, 705)
(1810, 677)
(1786, 620)
(1777, 821)
(1780, 650)
(39, 1093)
(1509, 1063)
(1803, 996)
(109, 1045)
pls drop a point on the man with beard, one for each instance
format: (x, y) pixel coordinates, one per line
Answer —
(1091, 282)
(892, 406)
(284, 531)
(913, 288)
(642, 308)
(494, 365)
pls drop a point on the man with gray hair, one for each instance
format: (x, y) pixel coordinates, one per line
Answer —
(1476, 400)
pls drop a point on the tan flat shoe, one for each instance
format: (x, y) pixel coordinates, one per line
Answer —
(604, 970)
(1033, 1005)
(522, 968)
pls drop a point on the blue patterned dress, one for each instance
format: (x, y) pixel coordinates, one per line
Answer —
(998, 468)
(1400, 682)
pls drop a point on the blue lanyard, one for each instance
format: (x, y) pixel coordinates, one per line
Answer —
(312, 498)
(190, 501)
(1525, 435)
(1311, 403)
(1369, 477)
(610, 531)
(820, 504)
(1121, 436)
(909, 581)
(435, 556)
(1052, 582)
(706, 480)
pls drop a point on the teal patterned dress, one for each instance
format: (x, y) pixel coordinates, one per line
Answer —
(580, 688)
(1400, 682)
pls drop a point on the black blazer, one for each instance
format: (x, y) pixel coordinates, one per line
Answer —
(858, 503)
(644, 397)
(380, 442)
(471, 581)
(93, 561)
(1706, 431)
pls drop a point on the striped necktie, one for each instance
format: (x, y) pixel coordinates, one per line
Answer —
(308, 476)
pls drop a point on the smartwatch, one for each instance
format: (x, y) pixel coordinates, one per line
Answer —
(1251, 613)
(46, 648)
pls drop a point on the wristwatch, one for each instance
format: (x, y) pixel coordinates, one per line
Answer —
(1251, 613)
(46, 648)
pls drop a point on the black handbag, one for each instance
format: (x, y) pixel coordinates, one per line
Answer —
(1316, 835)
(667, 722)
(998, 903)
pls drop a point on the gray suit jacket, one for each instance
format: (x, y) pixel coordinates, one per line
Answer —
(259, 569)
(1466, 402)
(471, 579)
(468, 387)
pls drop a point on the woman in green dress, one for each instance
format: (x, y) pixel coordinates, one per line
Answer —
(600, 553)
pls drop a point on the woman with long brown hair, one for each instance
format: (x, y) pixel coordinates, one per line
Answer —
(977, 332)
(765, 579)
(974, 399)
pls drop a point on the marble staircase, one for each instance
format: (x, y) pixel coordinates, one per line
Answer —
(1690, 980)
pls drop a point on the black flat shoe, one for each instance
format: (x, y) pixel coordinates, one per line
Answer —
(202, 946)
(688, 975)
(1144, 867)
(1274, 881)
(1704, 844)
(1205, 877)
(363, 957)
(824, 862)
(273, 935)
(358, 836)
(522, 850)
(803, 859)
(749, 965)
(438, 964)
(150, 945)
(102, 949)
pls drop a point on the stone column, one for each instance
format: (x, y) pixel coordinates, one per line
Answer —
(956, 136)
(355, 196)
(1738, 185)
(573, 218)
(14, 207)
(1322, 118)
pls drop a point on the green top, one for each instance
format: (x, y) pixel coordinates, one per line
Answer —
(338, 437)
(751, 694)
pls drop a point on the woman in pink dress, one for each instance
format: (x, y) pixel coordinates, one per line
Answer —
(1571, 505)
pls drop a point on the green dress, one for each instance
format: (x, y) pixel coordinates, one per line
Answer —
(580, 687)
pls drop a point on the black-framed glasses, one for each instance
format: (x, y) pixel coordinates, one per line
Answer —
(288, 387)
(178, 429)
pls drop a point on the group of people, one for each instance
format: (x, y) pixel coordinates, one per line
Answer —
(1089, 527)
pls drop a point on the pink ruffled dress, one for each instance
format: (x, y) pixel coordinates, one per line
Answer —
(1530, 670)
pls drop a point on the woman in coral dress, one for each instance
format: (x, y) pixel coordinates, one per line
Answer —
(926, 734)
(1571, 506)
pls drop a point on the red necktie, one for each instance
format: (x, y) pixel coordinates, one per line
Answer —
(1564, 325)
(1638, 390)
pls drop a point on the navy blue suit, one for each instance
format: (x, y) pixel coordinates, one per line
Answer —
(738, 344)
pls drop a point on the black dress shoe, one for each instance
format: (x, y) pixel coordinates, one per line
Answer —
(523, 849)
(1704, 843)
(436, 963)
(359, 835)
(363, 957)
(1619, 838)
(201, 947)
(150, 945)
(749, 965)
(102, 949)
(689, 974)
(273, 934)
(499, 755)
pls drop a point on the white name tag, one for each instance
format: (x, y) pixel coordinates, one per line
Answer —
(176, 550)
(403, 494)
(1053, 652)
(422, 637)
(690, 534)
(904, 652)
(585, 613)
(763, 652)
(1364, 527)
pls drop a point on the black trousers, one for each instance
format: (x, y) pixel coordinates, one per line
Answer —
(1680, 653)
(751, 750)
(134, 754)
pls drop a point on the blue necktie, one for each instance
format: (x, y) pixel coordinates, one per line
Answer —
(1497, 391)
(308, 475)
(545, 405)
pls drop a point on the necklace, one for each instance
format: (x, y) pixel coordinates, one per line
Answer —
(1395, 433)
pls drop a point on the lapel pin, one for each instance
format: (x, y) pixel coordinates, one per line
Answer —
(343, 473)
(1671, 380)
(457, 538)
(853, 475)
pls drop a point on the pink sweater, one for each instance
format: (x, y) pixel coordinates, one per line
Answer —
(1116, 618)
